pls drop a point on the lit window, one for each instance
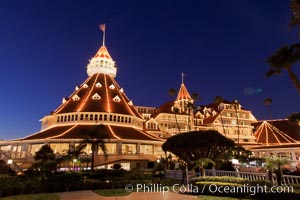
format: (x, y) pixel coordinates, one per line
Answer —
(112, 87)
(75, 97)
(130, 103)
(116, 99)
(85, 86)
(98, 85)
(96, 96)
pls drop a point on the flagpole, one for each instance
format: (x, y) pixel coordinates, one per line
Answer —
(103, 39)
(102, 28)
(182, 74)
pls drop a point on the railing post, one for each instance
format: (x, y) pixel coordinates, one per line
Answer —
(213, 171)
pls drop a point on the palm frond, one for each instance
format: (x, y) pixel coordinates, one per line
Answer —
(272, 72)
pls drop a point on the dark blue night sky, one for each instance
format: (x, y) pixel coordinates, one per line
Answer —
(221, 46)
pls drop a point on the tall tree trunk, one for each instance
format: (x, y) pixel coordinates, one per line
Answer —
(270, 175)
(279, 176)
(93, 158)
(222, 123)
(202, 170)
(294, 79)
(177, 124)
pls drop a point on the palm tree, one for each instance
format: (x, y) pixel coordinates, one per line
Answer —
(218, 100)
(295, 8)
(45, 158)
(284, 59)
(276, 164)
(172, 93)
(191, 106)
(76, 151)
(236, 104)
(202, 163)
(267, 103)
(294, 117)
(95, 136)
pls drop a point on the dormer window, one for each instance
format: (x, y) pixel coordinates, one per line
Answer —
(75, 97)
(96, 96)
(98, 85)
(85, 86)
(112, 86)
(116, 99)
(64, 100)
(130, 103)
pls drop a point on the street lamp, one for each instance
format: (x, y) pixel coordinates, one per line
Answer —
(9, 163)
(74, 161)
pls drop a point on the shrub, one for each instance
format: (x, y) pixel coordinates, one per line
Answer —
(64, 182)
(223, 179)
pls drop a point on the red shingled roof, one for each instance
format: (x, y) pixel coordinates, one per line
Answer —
(183, 93)
(107, 88)
(77, 132)
(103, 53)
(267, 133)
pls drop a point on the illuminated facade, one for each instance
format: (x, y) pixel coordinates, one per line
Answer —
(134, 133)
(98, 100)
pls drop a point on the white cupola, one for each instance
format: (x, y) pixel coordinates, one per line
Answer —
(102, 62)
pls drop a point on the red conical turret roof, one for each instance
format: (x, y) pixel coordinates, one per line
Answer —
(183, 93)
(103, 53)
(98, 93)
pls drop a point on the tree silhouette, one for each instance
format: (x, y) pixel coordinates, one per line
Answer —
(236, 105)
(45, 160)
(267, 103)
(95, 136)
(294, 117)
(284, 59)
(197, 145)
(275, 164)
(172, 93)
(218, 100)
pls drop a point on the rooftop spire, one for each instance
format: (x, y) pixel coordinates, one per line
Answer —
(182, 75)
(102, 28)
(102, 63)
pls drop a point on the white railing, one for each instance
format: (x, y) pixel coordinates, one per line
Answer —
(253, 176)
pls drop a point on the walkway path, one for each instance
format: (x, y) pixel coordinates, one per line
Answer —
(90, 195)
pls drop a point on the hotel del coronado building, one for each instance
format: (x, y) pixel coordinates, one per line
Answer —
(135, 133)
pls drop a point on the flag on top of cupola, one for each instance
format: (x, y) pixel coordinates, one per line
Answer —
(102, 62)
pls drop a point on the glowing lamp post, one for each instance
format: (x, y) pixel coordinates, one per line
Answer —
(9, 163)
(74, 161)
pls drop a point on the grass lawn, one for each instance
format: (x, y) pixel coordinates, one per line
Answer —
(112, 192)
(49, 196)
(206, 197)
